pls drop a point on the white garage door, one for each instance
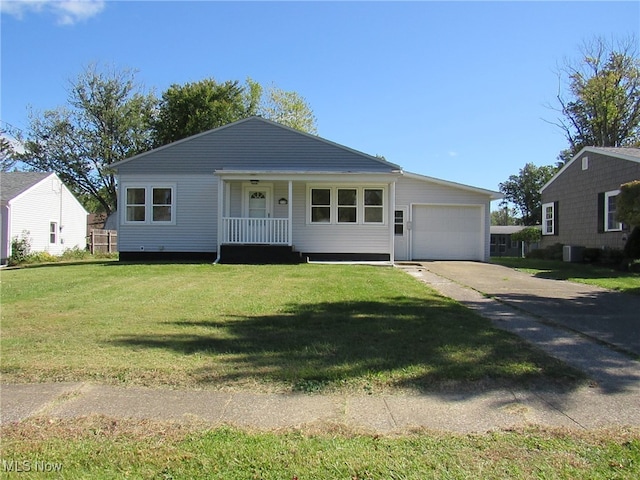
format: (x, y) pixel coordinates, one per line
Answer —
(447, 233)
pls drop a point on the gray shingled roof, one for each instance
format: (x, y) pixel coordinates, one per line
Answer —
(13, 184)
(629, 151)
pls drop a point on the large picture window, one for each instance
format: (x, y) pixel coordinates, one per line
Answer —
(149, 204)
(346, 205)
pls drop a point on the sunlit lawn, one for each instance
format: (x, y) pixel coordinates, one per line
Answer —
(601, 276)
(269, 328)
(101, 448)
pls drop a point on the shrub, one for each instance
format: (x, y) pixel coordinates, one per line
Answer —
(75, 253)
(591, 255)
(20, 248)
(552, 252)
(632, 247)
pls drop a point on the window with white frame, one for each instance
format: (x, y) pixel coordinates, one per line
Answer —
(346, 205)
(149, 204)
(53, 232)
(611, 224)
(373, 205)
(548, 218)
(320, 205)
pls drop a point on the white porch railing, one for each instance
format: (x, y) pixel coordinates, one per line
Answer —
(268, 231)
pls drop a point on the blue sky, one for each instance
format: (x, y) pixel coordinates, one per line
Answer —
(454, 90)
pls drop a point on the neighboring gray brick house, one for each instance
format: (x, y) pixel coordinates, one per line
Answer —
(578, 203)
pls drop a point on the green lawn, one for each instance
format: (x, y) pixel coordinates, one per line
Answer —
(576, 272)
(101, 448)
(268, 328)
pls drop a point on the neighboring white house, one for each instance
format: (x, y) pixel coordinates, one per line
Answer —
(256, 184)
(40, 207)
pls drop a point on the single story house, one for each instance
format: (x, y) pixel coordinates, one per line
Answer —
(255, 184)
(502, 245)
(40, 208)
(579, 202)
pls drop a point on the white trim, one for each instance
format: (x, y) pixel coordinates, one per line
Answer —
(483, 229)
(268, 187)
(148, 203)
(360, 207)
(607, 196)
(545, 231)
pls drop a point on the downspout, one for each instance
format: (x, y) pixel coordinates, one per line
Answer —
(219, 219)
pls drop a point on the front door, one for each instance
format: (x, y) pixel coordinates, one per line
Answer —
(401, 236)
(257, 208)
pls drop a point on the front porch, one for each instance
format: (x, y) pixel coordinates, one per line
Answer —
(256, 231)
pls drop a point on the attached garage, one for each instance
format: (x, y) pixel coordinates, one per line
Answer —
(445, 220)
(447, 232)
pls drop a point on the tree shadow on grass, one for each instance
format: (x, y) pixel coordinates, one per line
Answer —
(396, 342)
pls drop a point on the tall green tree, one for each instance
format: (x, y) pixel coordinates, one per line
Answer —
(523, 191)
(7, 153)
(288, 108)
(196, 107)
(107, 118)
(601, 106)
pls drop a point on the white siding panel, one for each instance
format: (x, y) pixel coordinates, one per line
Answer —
(334, 238)
(46, 202)
(196, 217)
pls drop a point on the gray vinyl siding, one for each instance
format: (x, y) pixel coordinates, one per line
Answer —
(309, 238)
(196, 212)
(576, 192)
(253, 144)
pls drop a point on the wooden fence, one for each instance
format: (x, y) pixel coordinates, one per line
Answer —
(103, 241)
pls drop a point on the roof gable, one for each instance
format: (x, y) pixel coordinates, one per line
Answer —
(622, 153)
(253, 144)
(12, 184)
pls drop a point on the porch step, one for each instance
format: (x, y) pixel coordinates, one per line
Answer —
(259, 254)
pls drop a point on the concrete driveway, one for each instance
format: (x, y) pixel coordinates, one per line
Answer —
(610, 317)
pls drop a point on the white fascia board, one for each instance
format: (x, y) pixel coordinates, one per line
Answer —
(316, 176)
(493, 195)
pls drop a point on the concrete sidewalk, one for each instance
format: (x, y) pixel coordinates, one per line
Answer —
(459, 412)
(612, 399)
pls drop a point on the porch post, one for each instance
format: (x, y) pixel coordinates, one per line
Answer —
(220, 213)
(392, 220)
(290, 215)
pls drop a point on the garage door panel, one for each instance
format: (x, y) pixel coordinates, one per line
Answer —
(447, 233)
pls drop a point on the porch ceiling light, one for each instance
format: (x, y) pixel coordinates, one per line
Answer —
(254, 182)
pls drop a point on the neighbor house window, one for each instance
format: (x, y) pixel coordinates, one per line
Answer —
(53, 232)
(150, 204)
(320, 205)
(548, 219)
(611, 224)
(346, 205)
